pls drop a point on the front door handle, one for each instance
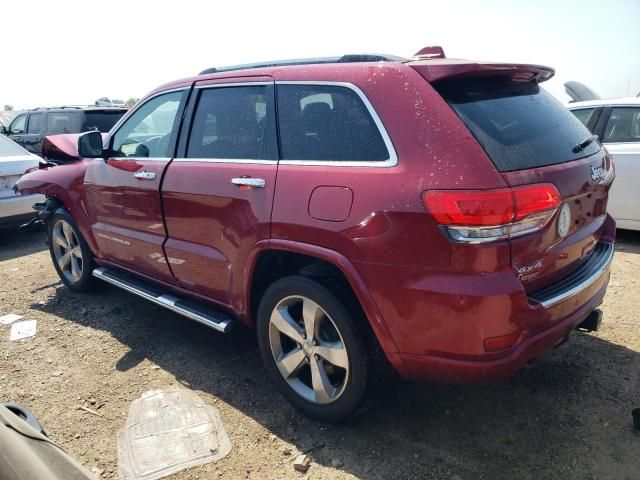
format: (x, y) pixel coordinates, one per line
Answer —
(143, 175)
(249, 182)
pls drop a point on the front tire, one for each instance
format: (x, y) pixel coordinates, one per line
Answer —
(72, 258)
(311, 349)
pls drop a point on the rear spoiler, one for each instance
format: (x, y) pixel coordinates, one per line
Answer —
(434, 70)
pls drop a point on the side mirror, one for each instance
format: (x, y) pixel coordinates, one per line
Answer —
(3, 130)
(90, 145)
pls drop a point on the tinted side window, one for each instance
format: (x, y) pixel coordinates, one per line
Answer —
(64, 122)
(101, 121)
(18, 124)
(623, 125)
(322, 122)
(584, 115)
(230, 123)
(147, 132)
(35, 123)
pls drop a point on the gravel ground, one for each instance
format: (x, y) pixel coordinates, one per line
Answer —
(567, 416)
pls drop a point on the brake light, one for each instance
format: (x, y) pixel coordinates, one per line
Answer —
(486, 215)
(535, 199)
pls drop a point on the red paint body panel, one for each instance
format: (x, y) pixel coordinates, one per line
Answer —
(431, 302)
(126, 216)
(434, 70)
(587, 201)
(65, 184)
(212, 224)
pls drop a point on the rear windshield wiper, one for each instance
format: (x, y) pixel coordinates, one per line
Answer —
(585, 143)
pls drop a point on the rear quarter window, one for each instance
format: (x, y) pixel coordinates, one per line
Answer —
(584, 115)
(64, 122)
(519, 125)
(327, 123)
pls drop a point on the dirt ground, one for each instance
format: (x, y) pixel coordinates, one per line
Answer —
(567, 416)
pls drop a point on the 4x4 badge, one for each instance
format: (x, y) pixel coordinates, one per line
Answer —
(597, 174)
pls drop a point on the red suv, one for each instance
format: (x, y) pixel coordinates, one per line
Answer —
(448, 213)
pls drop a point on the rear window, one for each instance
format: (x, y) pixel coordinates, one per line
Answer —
(322, 122)
(9, 148)
(100, 120)
(519, 125)
(64, 122)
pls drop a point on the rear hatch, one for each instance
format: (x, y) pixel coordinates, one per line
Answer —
(531, 139)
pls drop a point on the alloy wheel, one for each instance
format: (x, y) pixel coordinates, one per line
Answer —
(67, 251)
(308, 349)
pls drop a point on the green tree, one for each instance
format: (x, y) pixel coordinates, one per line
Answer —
(8, 108)
(132, 101)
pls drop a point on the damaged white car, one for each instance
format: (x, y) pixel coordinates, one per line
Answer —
(15, 209)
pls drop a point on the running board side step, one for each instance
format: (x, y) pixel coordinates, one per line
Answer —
(207, 315)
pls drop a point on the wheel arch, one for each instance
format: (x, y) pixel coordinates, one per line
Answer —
(75, 208)
(278, 258)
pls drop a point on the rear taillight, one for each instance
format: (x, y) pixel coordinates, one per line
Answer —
(474, 216)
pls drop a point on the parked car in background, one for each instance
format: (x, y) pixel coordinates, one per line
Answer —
(441, 215)
(30, 128)
(15, 209)
(617, 123)
(107, 102)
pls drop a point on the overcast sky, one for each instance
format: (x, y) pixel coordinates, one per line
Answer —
(72, 52)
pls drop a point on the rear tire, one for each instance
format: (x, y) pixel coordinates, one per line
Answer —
(311, 349)
(71, 256)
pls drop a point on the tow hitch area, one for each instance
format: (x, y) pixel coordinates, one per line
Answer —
(592, 322)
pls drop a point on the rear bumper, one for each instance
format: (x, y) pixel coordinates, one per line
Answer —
(444, 322)
(18, 209)
(450, 370)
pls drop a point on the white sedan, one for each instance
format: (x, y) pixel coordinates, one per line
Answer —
(14, 162)
(617, 124)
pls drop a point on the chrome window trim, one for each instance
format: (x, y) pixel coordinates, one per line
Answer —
(116, 127)
(225, 160)
(166, 159)
(392, 161)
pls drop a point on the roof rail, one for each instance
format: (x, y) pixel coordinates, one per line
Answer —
(59, 107)
(349, 58)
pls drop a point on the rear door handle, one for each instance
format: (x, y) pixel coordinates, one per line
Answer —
(249, 182)
(143, 175)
